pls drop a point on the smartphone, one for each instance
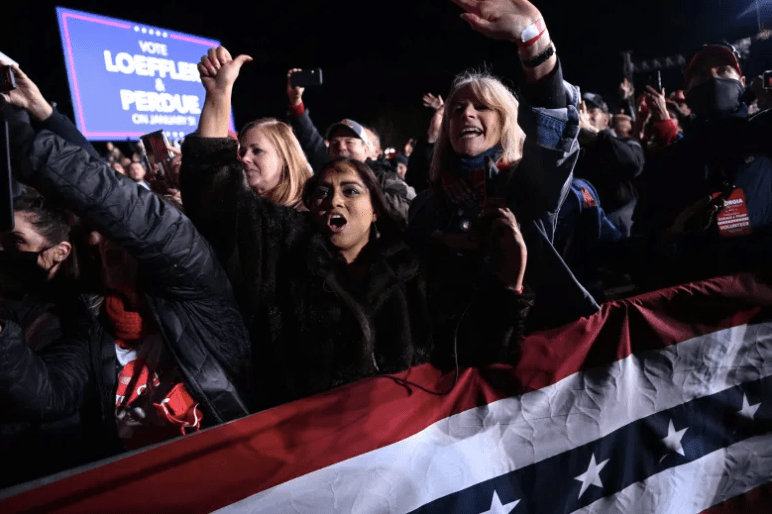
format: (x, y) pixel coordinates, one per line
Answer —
(155, 146)
(306, 78)
(767, 80)
(6, 192)
(656, 80)
(7, 79)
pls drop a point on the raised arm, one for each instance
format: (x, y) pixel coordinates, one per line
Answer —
(236, 221)
(27, 96)
(548, 106)
(219, 72)
(520, 22)
(311, 141)
(171, 253)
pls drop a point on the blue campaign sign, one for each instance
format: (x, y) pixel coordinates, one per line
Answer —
(128, 79)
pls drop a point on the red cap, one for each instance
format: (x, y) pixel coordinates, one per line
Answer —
(718, 52)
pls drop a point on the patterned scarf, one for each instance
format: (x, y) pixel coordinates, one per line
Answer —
(466, 180)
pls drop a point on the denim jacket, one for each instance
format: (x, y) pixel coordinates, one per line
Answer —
(535, 191)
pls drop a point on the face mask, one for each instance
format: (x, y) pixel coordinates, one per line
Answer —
(716, 98)
(20, 272)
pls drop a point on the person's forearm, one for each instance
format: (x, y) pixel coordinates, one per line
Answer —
(535, 74)
(40, 110)
(215, 116)
(62, 126)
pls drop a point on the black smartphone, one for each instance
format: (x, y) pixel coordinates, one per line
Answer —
(155, 146)
(656, 81)
(7, 79)
(306, 78)
(766, 80)
(6, 193)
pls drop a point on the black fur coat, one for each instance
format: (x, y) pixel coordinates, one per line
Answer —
(313, 326)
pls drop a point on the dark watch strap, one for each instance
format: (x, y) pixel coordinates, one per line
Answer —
(541, 58)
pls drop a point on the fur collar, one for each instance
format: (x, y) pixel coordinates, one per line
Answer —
(391, 263)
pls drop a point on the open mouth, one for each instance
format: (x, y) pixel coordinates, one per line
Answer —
(336, 222)
(470, 132)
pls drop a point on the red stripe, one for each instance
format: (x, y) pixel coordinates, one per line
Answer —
(217, 467)
(754, 501)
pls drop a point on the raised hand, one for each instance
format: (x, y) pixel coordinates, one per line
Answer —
(218, 73)
(409, 147)
(27, 96)
(219, 70)
(656, 102)
(499, 19)
(294, 93)
(626, 89)
(433, 102)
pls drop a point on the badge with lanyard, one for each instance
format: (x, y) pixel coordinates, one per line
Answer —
(733, 219)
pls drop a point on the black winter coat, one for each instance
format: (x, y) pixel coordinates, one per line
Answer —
(187, 290)
(611, 164)
(313, 326)
(46, 423)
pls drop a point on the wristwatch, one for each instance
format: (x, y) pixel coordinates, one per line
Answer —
(541, 58)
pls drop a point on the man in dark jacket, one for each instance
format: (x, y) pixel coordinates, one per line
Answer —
(609, 162)
(724, 160)
(346, 138)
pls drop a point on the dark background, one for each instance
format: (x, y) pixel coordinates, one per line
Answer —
(378, 58)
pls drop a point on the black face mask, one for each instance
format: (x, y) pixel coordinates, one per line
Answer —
(716, 98)
(20, 272)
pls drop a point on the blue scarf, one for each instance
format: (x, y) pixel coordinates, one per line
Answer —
(461, 167)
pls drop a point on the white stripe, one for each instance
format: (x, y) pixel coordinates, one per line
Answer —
(695, 486)
(483, 443)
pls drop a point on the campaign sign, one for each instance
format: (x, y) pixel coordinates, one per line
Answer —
(128, 79)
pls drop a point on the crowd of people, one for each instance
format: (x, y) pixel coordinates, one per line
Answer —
(140, 303)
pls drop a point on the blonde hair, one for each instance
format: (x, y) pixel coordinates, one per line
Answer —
(296, 170)
(496, 96)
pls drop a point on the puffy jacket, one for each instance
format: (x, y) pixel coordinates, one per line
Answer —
(186, 288)
(46, 423)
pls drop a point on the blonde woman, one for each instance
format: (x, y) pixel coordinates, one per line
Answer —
(274, 163)
(492, 147)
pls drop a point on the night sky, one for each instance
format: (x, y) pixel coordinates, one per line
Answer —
(378, 58)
